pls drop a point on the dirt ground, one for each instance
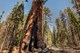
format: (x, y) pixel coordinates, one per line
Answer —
(51, 50)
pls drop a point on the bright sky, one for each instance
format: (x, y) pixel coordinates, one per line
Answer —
(54, 5)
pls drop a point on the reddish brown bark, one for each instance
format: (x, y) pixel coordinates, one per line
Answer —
(34, 15)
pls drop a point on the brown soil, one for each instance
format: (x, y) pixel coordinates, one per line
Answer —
(51, 50)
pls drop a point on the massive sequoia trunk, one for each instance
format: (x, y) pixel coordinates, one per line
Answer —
(34, 26)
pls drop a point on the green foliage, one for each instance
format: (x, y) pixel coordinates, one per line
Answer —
(47, 34)
(59, 24)
(17, 16)
(73, 25)
(15, 25)
(68, 29)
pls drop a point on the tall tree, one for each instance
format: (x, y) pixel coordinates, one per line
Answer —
(45, 26)
(60, 33)
(54, 36)
(63, 18)
(16, 16)
(34, 26)
(47, 35)
(73, 25)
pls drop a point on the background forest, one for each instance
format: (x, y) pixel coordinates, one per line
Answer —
(65, 32)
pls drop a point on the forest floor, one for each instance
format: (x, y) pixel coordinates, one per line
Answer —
(52, 50)
(66, 50)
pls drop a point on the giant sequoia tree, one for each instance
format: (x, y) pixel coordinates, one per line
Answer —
(33, 32)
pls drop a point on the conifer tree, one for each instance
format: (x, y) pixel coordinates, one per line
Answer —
(73, 26)
(15, 18)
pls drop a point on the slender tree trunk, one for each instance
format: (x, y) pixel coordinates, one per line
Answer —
(3, 43)
(12, 40)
